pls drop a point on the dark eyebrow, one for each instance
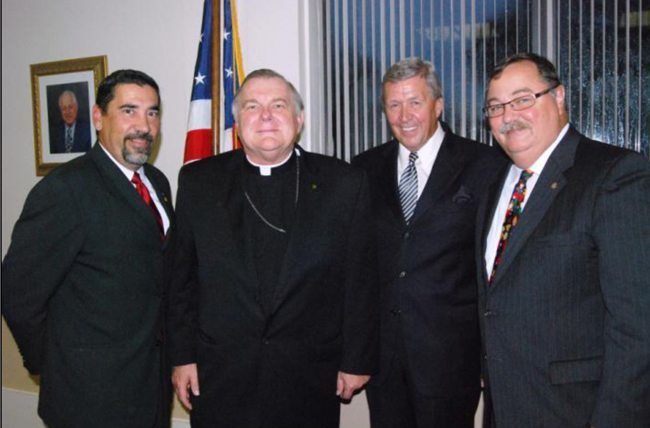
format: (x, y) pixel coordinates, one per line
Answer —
(155, 107)
(522, 91)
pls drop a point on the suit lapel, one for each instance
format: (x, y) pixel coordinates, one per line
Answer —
(163, 198)
(302, 228)
(548, 186)
(444, 172)
(485, 215)
(387, 175)
(229, 198)
(121, 187)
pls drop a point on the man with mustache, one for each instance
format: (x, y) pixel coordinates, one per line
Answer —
(564, 278)
(82, 281)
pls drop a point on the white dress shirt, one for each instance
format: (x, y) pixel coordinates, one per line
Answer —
(506, 194)
(426, 158)
(152, 191)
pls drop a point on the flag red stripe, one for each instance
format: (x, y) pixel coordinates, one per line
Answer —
(198, 144)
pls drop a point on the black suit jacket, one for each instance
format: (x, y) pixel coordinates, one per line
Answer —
(80, 139)
(279, 369)
(426, 269)
(82, 286)
(566, 322)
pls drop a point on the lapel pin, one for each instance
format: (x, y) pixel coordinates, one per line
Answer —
(314, 186)
(554, 185)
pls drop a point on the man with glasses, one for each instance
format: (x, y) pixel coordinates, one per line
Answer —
(564, 278)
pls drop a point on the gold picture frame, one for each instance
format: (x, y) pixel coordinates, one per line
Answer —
(61, 131)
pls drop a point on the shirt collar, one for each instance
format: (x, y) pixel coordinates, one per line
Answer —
(540, 163)
(127, 172)
(427, 153)
(267, 169)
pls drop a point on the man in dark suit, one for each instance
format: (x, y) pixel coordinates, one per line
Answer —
(430, 349)
(564, 273)
(72, 134)
(273, 306)
(82, 282)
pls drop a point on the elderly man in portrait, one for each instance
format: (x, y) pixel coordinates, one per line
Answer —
(564, 264)
(71, 134)
(273, 301)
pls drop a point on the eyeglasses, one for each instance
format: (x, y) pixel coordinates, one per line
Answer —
(517, 104)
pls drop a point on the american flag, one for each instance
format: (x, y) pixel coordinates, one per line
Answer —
(199, 141)
(233, 73)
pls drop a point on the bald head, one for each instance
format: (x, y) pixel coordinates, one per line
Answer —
(69, 107)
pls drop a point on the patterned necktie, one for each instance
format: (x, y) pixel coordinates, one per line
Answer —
(68, 139)
(408, 188)
(146, 197)
(512, 215)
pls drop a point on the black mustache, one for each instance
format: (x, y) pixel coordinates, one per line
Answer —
(140, 136)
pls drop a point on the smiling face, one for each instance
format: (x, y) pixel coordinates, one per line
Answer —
(68, 107)
(130, 124)
(411, 111)
(268, 123)
(524, 135)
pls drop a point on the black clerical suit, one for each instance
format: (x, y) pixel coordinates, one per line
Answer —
(268, 350)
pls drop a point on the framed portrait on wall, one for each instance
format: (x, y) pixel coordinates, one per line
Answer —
(63, 93)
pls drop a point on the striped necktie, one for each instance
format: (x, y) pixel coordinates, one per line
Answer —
(512, 216)
(68, 139)
(408, 188)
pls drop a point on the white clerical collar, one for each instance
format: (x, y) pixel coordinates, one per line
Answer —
(266, 169)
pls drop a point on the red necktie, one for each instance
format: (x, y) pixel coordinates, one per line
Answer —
(146, 197)
(512, 215)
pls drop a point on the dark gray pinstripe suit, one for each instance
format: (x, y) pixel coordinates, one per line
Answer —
(566, 323)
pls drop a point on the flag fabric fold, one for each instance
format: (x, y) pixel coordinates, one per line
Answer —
(199, 140)
(232, 72)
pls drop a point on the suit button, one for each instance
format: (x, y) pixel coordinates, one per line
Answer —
(488, 313)
(407, 235)
(265, 341)
(402, 274)
(395, 311)
(485, 357)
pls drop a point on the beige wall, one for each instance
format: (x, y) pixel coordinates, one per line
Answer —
(158, 37)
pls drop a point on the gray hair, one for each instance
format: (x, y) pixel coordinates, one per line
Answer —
(265, 73)
(412, 67)
(69, 93)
